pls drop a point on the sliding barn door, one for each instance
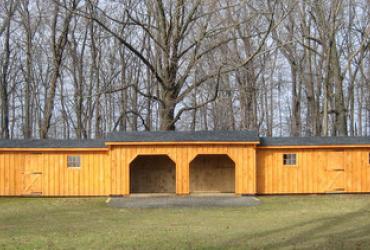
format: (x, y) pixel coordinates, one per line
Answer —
(335, 171)
(32, 178)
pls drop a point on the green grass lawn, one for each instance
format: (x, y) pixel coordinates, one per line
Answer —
(296, 222)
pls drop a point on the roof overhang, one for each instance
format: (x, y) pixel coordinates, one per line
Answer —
(53, 149)
(181, 143)
(314, 146)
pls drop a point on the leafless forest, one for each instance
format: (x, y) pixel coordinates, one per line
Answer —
(84, 68)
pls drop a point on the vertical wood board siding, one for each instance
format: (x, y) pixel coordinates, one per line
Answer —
(19, 170)
(256, 170)
(317, 171)
(243, 157)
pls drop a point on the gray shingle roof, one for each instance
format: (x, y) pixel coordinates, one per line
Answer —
(184, 136)
(314, 141)
(50, 143)
(171, 136)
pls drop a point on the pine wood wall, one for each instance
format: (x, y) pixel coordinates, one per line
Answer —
(317, 171)
(47, 174)
(242, 155)
(261, 170)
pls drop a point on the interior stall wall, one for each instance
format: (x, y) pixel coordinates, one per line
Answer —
(152, 174)
(212, 173)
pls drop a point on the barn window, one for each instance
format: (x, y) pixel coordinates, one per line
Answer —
(290, 159)
(73, 161)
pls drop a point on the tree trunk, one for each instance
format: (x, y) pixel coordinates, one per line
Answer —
(167, 110)
(27, 126)
(4, 86)
(296, 110)
(123, 95)
(312, 113)
(194, 113)
(95, 77)
(58, 49)
(340, 109)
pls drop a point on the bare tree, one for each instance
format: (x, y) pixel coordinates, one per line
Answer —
(59, 41)
(81, 69)
(5, 26)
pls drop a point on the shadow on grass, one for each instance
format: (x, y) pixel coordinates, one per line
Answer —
(53, 220)
(41, 215)
(321, 232)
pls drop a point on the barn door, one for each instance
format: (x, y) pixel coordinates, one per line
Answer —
(32, 178)
(335, 172)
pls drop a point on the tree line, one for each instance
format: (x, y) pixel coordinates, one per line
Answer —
(84, 68)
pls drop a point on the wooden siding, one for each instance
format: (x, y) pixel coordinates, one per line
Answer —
(47, 174)
(257, 170)
(317, 171)
(11, 173)
(242, 155)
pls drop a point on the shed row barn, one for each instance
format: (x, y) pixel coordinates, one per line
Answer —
(237, 162)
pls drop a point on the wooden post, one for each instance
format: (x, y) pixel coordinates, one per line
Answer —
(182, 171)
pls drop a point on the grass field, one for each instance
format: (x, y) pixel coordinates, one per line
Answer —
(297, 222)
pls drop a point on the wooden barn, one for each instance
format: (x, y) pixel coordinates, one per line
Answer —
(313, 165)
(184, 163)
